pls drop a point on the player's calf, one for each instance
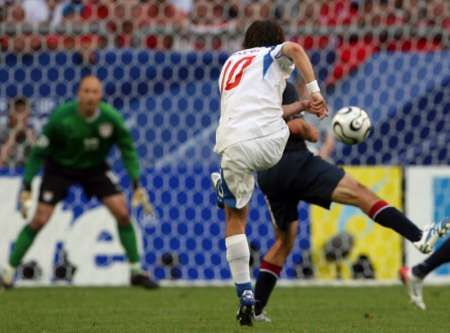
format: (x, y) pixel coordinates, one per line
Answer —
(271, 267)
(351, 192)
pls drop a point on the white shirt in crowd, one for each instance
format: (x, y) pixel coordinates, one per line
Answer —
(38, 11)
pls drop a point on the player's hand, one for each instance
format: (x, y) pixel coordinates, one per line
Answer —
(318, 105)
(140, 198)
(304, 105)
(25, 202)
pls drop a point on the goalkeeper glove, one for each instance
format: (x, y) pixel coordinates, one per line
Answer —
(25, 200)
(140, 198)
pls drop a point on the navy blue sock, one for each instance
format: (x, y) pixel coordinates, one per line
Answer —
(439, 257)
(390, 217)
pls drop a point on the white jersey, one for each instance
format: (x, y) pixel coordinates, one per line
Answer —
(251, 84)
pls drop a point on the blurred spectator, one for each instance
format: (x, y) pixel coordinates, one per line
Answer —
(43, 12)
(16, 135)
(184, 6)
(209, 24)
(71, 12)
(210, 16)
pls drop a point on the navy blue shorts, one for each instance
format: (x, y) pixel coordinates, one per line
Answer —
(299, 176)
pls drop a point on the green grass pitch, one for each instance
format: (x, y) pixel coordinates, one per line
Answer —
(306, 309)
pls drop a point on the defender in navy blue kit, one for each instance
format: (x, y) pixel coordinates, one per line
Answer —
(300, 175)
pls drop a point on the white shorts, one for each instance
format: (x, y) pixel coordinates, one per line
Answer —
(241, 160)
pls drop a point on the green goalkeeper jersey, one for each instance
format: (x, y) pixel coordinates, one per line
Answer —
(79, 143)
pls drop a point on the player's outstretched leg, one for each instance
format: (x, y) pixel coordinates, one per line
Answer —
(413, 277)
(24, 241)
(117, 206)
(237, 249)
(351, 192)
(270, 268)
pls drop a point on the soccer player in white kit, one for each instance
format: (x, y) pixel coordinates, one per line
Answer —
(252, 134)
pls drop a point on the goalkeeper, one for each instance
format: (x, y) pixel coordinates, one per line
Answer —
(73, 147)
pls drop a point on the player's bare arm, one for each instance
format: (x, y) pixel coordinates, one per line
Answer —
(295, 108)
(299, 127)
(292, 109)
(301, 60)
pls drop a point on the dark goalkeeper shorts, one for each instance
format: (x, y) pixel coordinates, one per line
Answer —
(299, 176)
(97, 182)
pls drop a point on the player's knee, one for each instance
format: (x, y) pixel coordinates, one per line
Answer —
(122, 216)
(349, 191)
(284, 246)
(39, 221)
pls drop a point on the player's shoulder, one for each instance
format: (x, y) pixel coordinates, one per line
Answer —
(110, 113)
(64, 109)
(109, 110)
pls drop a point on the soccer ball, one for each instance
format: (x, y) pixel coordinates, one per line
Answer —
(351, 125)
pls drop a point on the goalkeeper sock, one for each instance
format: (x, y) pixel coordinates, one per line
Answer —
(439, 257)
(22, 244)
(390, 217)
(238, 257)
(135, 268)
(267, 279)
(128, 239)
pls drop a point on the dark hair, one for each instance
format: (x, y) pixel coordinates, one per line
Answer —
(263, 33)
(20, 101)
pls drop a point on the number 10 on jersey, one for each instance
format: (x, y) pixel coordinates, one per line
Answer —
(232, 78)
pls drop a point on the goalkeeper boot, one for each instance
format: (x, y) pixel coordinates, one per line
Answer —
(431, 233)
(246, 308)
(414, 286)
(142, 279)
(7, 275)
(216, 181)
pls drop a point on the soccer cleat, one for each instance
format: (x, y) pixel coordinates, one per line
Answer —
(262, 317)
(143, 280)
(430, 234)
(7, 277)
(444, 227)
(414, 286)
(246, 308)
(215, 180)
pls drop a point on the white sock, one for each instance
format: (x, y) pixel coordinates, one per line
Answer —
(135, 267)
(238, 257)
(10, 268)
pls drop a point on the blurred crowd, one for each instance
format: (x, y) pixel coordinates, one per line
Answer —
(17, 134)
(193, 24)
